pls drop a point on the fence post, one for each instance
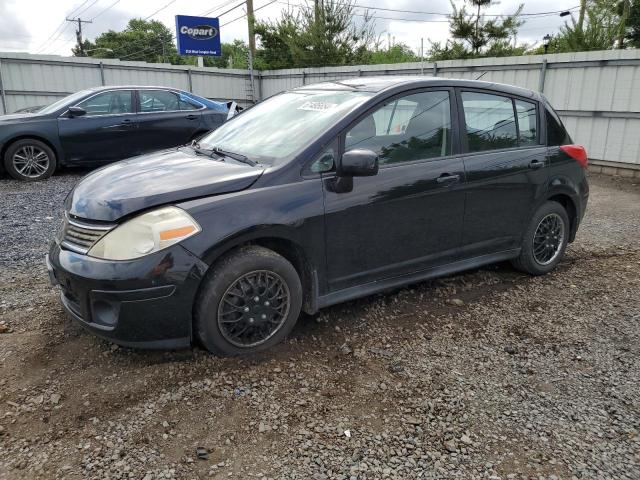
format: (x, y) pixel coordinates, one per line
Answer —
(190, 80)
(435, 69)
(303, 76)
(2, 94)
(543, 74)
(102, 74)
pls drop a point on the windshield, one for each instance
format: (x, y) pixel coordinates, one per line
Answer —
(280, 127)
(68, 100)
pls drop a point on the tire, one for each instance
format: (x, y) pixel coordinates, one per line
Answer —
(234, 286)
(30, 160)
(539, 255)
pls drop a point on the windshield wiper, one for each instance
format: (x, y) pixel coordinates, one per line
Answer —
(235, 156)
(202, 151)
(222, 153)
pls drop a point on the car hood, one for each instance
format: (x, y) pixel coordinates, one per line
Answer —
(17, 116)
(159, 178)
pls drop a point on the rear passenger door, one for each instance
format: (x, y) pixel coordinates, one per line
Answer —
(505, 165)
(165, 119)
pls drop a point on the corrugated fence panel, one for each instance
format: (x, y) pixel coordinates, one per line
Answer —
(48, 77)
(145, 76)
(222, 87)
(18, 101)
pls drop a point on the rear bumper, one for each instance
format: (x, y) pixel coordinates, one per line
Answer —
(142, 303)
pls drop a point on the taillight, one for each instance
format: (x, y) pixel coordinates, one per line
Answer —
(577, 152)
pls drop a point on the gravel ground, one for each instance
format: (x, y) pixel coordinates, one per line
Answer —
(489, 374)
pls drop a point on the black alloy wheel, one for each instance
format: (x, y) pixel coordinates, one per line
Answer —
(548, 239)
(545, 240)
(253, 308)
(249, 301)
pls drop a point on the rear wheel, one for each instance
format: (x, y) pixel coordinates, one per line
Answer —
(545, 240)
(249, 302)
(29, 160)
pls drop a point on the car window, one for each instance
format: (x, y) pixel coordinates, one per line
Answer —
(159, 101)
(527, 122)
(490, 121)
(324, 162)
(108, 103)
(415, 127)
(556, 133)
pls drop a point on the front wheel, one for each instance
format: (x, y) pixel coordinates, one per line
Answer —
(545, 240)
(249, 302)
(29, 160)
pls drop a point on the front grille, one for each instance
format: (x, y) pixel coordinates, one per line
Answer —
(81, 235)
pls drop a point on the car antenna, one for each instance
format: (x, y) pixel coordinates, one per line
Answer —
(481, 75)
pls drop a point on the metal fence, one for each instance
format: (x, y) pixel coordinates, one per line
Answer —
(28, 80)
(596, 93)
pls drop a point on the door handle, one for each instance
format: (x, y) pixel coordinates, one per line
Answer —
(191, 117)
(448, 178)
(535, 164)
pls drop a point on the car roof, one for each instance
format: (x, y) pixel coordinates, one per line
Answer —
(381, 83)
(133, 87)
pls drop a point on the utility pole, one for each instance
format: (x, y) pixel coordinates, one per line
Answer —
(79, 32)
(583, 8)
(252, 35)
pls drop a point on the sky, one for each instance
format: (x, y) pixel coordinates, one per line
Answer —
(39, 26)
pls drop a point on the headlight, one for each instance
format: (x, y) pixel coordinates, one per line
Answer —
(145, 234)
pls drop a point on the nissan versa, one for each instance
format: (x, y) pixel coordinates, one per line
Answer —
(316, 196)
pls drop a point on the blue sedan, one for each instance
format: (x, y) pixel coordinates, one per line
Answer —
(103, 125)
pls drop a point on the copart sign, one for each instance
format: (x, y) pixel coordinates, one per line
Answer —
(199, 36)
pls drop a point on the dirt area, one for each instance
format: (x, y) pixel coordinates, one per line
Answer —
(519, 377)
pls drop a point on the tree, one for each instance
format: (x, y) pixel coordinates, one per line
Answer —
(319, 34)
(149, 41)
(479, 33)
(234, 55)
(399, 53)
(599, 27)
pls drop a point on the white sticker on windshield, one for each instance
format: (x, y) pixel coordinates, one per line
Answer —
(317, 106)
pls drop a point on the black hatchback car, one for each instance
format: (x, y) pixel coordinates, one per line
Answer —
(316, 196)
(103, 125)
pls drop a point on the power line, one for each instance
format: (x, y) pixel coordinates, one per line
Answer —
(63, 23)
(422, 12)
(160, 9)
(72, 12)
(85, 9)
(47, 44)
(244, 15)
(105, 9)
(218, 7)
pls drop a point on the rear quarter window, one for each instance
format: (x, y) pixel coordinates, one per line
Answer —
(556, 133)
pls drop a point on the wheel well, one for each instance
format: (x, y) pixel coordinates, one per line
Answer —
(296, 256)
(25, 137)
(570, 208)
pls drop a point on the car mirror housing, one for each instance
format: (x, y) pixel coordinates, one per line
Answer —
(77, 111)
(358, 163)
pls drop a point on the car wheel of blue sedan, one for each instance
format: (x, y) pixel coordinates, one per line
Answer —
(249, 302)
(30, 160)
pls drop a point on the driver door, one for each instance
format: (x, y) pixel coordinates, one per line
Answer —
(104, 134)
(408, 217)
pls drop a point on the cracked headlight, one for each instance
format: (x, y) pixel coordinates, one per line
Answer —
(145, 234)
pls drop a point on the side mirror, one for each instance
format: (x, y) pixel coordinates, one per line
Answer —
(76, 111)
(358, 163)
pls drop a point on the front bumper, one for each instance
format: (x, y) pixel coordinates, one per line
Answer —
(142, 303)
